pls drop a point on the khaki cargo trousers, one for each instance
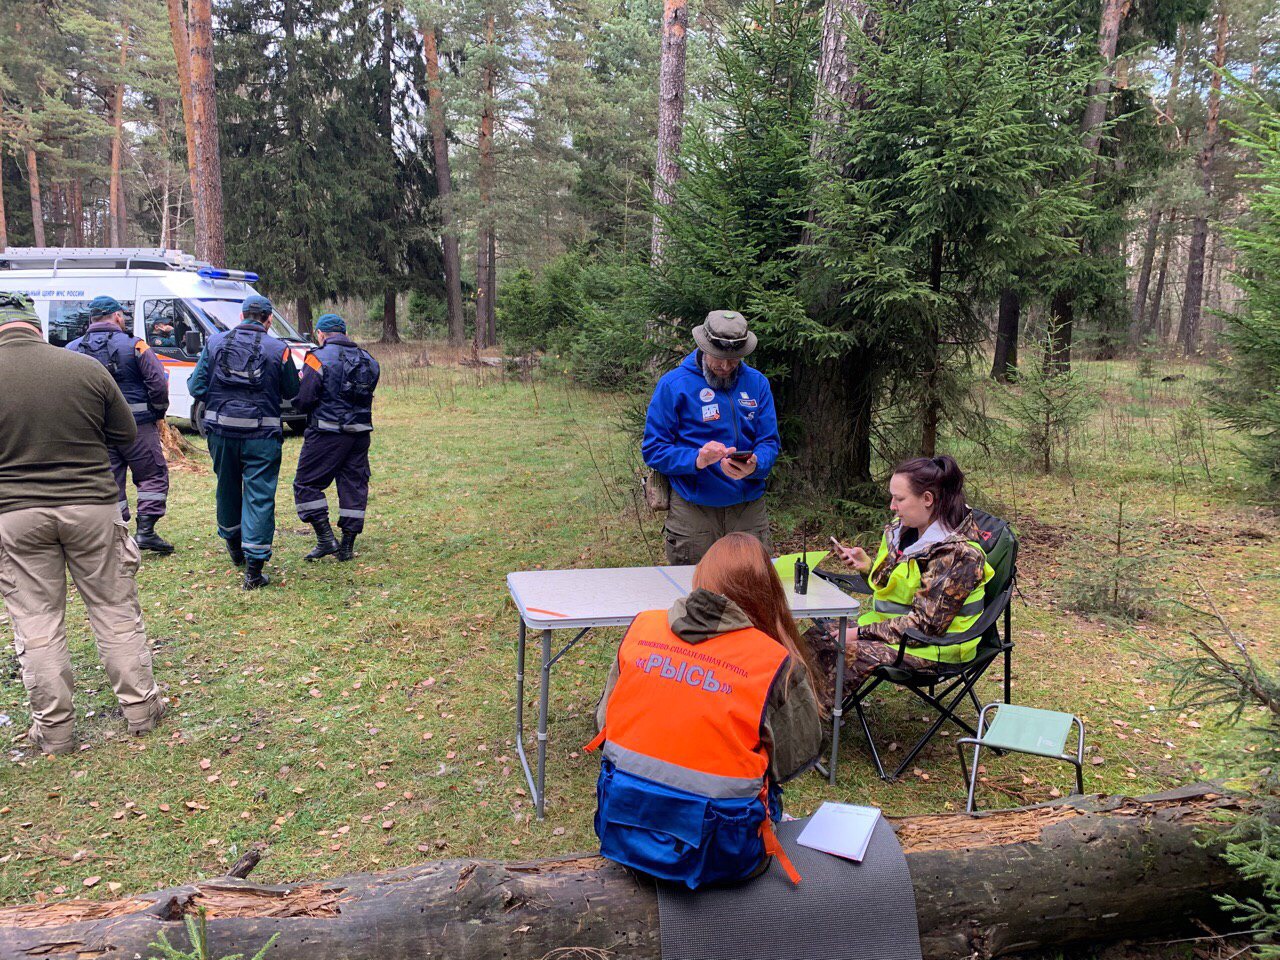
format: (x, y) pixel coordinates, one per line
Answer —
(37, 546)
(691, 529)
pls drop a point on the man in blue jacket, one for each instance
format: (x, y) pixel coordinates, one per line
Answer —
(712, 430)
(142, 379)
(243, 375)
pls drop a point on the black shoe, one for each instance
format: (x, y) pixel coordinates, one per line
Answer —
(148, 539)
(346, 549)
(236, 552)
(326, 545)
(253, 575)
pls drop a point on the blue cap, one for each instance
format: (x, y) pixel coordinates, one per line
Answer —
(331, 323)
(256, 303)
(104, 307)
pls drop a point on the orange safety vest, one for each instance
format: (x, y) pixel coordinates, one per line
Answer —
(684, 792)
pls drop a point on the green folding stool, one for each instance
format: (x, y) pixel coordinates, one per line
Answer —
(1015, 729)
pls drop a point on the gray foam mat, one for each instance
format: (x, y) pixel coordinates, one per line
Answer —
(840, 911)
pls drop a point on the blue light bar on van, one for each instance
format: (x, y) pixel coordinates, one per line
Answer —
(212, 273)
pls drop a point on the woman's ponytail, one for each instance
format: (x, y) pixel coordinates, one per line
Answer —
(942, 477)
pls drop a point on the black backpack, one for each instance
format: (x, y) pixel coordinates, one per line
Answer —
(102, 351)
(241, 361)
(356, 377)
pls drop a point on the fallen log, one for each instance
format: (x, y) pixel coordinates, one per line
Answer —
(1085, 869)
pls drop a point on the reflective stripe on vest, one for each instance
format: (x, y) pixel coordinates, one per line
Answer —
(895, 599)
(139, 407)
(673, 775)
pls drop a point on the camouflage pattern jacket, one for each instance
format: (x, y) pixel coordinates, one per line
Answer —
(950, 567)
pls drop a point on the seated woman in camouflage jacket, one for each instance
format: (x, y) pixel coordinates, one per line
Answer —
(928, 574)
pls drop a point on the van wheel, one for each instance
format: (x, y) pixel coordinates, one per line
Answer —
(197, 417)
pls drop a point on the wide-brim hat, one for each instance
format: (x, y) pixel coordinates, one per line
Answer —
(724, 334)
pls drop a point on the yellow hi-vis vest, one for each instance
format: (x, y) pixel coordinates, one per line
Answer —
(896, 596)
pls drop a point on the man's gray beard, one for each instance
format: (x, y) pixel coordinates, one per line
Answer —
(723, 384)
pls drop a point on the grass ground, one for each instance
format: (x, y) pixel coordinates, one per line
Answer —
(359, 716)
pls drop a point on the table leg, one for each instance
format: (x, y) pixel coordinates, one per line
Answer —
(838, 701)
(524, 760)
(543, 702)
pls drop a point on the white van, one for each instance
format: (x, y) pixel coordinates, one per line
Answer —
(187, 301)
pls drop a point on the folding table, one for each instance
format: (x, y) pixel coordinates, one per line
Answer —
(550, 600)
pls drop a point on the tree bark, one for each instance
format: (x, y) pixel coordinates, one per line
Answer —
(304, 315)
(484, 237)
(1113, 15)
(205, 115)
(1007, 323)
(671, 90)
(33, 184)
(117, 144)
(77, 213)
(1189, 327)
(833, 399)
(182, 54)
(1154, 320)
(390, 327)
(1085, 870)
(4, 220)
(1062, 321)
(444, 189)
(491, 318)
(1137, 327)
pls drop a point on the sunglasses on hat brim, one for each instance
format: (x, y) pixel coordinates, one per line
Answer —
(720, 343)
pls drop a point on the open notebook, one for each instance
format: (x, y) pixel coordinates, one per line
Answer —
(841, 829)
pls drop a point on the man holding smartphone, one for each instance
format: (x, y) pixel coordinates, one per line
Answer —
(712, 430)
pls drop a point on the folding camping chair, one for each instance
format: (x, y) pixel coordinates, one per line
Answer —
(945, 686)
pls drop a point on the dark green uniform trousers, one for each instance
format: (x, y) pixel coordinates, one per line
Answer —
(247, 470)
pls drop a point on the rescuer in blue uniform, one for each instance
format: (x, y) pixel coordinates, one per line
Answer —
(243, 375)
(338, 382)
(145, 385)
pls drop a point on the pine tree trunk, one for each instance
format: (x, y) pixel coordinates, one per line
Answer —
(1007, 323)
(1192, 300)
(671, 90)
(444, 189)
(1155, 321)
(117, 145)
(1062, 321)
(390, 325)
(932, 399)
(1113, 16)
(4, 220)
(492, 299)
(33, 184)
(182, 54)
(1137, 328)
(1037, 880)
(77, 213)
(484, 245)
(205, 115)
(304, 316)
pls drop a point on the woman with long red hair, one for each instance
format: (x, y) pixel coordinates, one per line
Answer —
(708, 709)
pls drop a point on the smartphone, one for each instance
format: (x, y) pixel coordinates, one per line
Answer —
(837, 544)
(741, 456)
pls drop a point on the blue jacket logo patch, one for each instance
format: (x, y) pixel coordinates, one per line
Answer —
(710, 411)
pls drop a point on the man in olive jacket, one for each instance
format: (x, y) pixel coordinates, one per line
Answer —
(60, 412)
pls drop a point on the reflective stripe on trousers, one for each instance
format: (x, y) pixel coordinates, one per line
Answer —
(343, 428)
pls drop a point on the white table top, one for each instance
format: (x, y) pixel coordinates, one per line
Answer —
(611, 597)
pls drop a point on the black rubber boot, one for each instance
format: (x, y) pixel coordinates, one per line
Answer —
(253, 575)
(326, 545)
(346, 549)
(148, 539)
(235, 551)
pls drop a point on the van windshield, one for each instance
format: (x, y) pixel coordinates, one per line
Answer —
(226, 314)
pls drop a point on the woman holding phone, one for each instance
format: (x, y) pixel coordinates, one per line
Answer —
(929, 572)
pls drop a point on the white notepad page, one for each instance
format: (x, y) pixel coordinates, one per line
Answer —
(841, 829)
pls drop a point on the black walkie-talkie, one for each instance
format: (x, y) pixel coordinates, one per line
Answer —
(802, 565)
